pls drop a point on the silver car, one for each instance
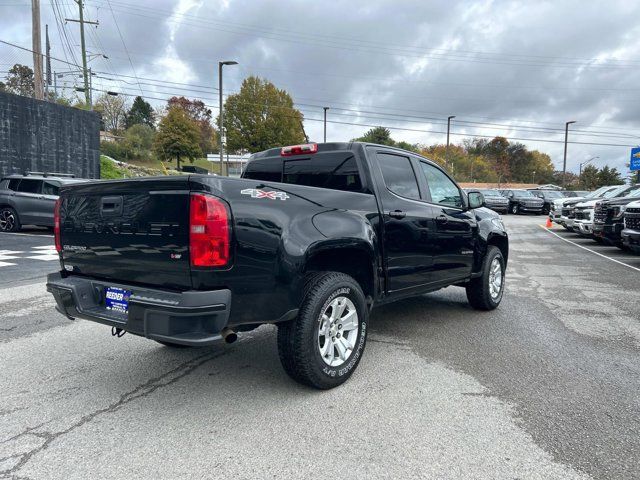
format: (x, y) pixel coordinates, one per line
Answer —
(29, 200)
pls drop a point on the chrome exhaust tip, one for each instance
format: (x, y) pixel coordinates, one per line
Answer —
(228, 335)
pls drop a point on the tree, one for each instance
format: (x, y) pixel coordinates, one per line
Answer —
(379, 135)
(589, 178)
(19, 80)
(197, 111)
(140, 113)
(178, 137)
(609, 176)
(138, 141)
(261, 116)
(113, 110)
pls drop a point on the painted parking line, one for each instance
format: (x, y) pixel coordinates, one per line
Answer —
(589, 250)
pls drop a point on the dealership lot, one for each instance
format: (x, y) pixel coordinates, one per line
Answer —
(546, 386)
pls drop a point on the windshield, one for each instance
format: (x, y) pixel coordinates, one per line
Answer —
(597, 193)
(616, 191)
(634, 193)
(580, 193)
(522, 193)
(553, 194)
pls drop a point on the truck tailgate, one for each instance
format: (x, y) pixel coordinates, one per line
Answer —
(126, 230)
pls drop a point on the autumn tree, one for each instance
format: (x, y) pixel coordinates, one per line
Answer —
(138, 141)
(19, 80)
(261, 116)
(113, 110)
(197, 111)
(178, 137)
(140, 113)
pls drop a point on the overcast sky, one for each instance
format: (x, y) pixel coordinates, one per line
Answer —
(517, 69)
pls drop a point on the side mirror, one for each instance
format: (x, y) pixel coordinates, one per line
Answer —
(476, 199)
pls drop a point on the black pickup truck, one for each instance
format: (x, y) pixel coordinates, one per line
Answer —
(311, 239)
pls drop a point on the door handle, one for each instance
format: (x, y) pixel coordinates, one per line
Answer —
(441, 220)
(397, 214)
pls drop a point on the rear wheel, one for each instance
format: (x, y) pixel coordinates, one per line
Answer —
(9, 221)
(485, 292)
(515, 209)
(323, 345)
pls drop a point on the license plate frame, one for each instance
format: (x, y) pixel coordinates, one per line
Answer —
(116, 299)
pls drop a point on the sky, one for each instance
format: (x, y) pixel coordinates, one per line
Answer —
(514, 69)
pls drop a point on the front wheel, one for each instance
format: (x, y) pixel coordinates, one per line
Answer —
(322, 347)
(485, 292)
(515, 209)
(9, 221)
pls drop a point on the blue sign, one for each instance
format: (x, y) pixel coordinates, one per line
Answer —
(635, 159)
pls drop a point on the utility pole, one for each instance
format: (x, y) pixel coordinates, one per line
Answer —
(325, 123)
(47, 82)
(221, 116)
(36, 41)
(85, 74)
(446, 152)
(564, 162)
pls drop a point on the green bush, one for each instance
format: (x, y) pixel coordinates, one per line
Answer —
(110, 170)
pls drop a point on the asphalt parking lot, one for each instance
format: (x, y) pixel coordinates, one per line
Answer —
(546, 386)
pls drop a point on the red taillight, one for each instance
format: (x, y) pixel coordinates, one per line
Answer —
(56, 225)
(209, 231)
(299, 149)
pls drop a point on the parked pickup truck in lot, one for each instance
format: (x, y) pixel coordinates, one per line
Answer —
(583, 212)
(566, 205)
(548, 197)
(311, 239)
(608, 218)
(631, 231)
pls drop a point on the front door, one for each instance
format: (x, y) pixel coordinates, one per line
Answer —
(455, 229)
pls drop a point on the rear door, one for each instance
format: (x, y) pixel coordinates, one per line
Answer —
(50, 192)
(28, 200)
(454, 228)
(134, 231)
(408, 222)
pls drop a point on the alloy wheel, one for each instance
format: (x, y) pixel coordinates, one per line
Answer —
(337, 331)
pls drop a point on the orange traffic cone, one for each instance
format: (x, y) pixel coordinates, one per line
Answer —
(549, 224)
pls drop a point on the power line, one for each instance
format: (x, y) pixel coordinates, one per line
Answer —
(133, 69)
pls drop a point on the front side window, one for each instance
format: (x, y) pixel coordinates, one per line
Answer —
(30, 186)
(13, 184)
(398, 175)
(443, 190)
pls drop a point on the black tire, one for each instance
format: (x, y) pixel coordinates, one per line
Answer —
(172, 345)
(478, 289)
(515, 209)
(9, 220)
(298, 340)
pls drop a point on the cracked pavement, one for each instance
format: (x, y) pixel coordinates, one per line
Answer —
(544, 387)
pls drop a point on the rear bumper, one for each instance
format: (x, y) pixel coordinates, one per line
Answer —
(631, 239)
(188, 318)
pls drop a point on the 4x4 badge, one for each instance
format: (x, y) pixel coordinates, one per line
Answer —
(270, 194)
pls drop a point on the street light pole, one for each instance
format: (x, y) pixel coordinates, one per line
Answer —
(221, 117)
(584, 163)
(325, 123)
(564, 162)
(446, 151)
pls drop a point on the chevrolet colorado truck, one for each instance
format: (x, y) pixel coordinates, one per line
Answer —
(310, 239)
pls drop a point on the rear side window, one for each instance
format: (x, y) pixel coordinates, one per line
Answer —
(30, 186)
(269, 170)
(13, 184)
(335, 171)
(4, 184)
(50, 188)
(398, 174)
